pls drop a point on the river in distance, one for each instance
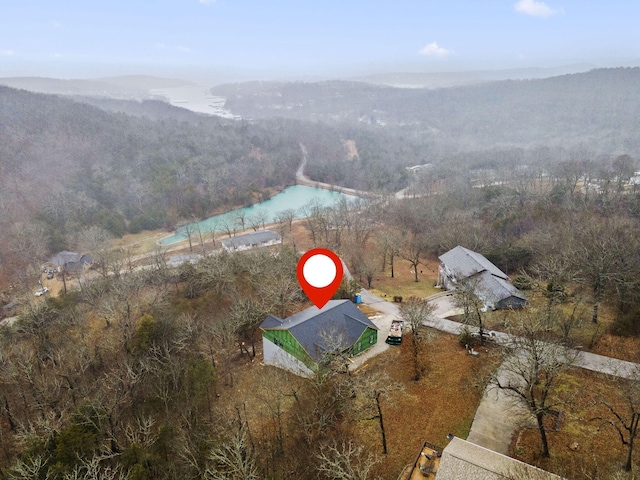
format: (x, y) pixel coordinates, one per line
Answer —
(294, 197)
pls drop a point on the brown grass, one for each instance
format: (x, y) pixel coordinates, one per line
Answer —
(443, 401)
(582, 448)
(403, 284)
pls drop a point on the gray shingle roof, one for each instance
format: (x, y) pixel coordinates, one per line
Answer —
(489, 282)
(71, 261)
(316, 329)
(63, 257)
(462, 460)
(252, 238)
(494, 289)
(464, 263)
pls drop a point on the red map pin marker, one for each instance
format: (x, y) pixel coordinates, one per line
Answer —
(319, 274)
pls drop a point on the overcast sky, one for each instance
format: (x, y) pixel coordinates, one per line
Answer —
(88, 38)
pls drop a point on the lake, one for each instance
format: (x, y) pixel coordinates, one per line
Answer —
(294, 197)
(196, 98)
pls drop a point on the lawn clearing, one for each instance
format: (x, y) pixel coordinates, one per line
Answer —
(403, 284)
(582, 448)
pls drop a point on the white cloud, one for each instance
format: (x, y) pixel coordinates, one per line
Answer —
(7, 53)
(536, 9)
(433, 50)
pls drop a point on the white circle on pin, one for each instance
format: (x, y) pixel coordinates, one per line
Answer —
(319, 271)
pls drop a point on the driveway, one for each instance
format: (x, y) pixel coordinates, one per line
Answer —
(498, 417)
(391, 311)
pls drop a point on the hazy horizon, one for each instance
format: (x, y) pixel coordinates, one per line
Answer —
(227, 40)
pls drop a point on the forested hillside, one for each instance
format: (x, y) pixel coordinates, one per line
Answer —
(65, 166)
(597, 108)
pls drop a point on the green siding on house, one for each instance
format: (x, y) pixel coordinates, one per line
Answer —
(368, 338)
(288, 343)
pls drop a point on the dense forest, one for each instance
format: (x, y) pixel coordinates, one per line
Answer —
(66, 166)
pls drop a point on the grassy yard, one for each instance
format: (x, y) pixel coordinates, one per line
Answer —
(403, 284)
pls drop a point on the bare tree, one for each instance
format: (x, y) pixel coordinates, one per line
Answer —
(391, 241)
(415, 312)
(598, 251)
(624, 413)
(233, 459)
(531, 369)
(346, 461)
(240, 218)
(412, 251)
(371, 389)
(465, 297)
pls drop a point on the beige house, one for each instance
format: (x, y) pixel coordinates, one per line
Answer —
(462, 460)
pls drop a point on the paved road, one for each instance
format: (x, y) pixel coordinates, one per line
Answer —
(498, 417)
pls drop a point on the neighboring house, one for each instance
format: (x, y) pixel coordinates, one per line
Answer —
(462, 460)
(302, 341)
(490, 284)
(177, 260)
(262, 238)
(70, 261)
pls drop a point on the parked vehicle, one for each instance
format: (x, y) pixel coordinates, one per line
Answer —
(395, 333)
(50, 275)
(42, 291)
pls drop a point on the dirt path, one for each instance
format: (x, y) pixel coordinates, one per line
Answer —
(302, 179)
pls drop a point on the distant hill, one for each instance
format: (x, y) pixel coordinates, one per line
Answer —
(134, 87)
(456, 79)
(597, 108)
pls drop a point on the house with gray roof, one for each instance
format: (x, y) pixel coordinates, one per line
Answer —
(261, 238)
(461, 265)
(301, 342)
(177, 260)
(463, 460)
(70, 261)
